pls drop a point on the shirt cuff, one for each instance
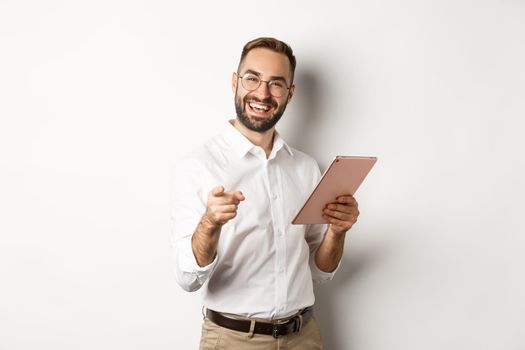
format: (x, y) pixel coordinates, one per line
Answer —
(188, 262)
(318, 275)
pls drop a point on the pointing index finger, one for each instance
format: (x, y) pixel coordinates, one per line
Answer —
(239, 195)
(235, 196)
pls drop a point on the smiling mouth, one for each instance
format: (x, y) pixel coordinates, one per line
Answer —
(259, 108)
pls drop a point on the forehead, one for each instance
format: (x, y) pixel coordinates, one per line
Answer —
(266, 62)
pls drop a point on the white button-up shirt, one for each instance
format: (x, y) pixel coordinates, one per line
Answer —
(264, 265)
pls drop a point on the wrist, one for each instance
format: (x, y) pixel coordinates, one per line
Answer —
(335, 234)
(209, 226)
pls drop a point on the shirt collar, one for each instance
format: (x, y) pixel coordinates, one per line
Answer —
(278, 143)
(241, 145)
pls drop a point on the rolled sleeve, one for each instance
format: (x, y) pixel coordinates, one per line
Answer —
(314, 237)
(188, 203)
(190, 276)
(319, 276)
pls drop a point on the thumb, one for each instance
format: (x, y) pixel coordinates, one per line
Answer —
(217, 191)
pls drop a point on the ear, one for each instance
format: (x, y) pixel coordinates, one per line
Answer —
(234, 82)
(290, 93)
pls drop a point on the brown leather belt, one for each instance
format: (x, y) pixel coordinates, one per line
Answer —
(275, 329)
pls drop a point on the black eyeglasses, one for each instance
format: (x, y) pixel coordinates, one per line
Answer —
(252, 82)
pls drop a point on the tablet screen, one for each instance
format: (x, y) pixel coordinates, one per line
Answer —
(344, 176)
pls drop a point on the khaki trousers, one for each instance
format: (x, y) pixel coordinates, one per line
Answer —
(215, 337)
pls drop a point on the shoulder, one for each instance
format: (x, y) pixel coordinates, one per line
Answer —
(205, 162)
(201, 155)
(304, 160)
(304, 168)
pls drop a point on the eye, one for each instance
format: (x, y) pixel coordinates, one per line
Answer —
(251, 78)
(278, 84)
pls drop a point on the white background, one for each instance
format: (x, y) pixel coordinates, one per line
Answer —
(98, 100)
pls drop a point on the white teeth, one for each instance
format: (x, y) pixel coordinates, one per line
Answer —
(259, 107)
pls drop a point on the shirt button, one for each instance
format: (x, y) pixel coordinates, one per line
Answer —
(281, 270)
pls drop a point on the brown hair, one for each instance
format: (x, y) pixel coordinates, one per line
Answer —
(271, 44)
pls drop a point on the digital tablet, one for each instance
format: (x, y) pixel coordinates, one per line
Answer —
(343, 176)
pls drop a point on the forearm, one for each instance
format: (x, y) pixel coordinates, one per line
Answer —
(330, 251)
(205, 240)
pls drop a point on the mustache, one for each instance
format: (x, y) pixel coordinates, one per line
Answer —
(268, 101)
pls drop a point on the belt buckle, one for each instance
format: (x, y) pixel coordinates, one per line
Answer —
(275, 331)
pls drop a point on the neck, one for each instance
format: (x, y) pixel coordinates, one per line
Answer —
(261, 139)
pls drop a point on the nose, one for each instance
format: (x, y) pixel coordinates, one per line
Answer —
(263, 90)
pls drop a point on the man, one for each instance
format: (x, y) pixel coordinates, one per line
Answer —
(233, 203)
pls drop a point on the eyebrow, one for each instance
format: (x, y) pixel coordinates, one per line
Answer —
(275, 77)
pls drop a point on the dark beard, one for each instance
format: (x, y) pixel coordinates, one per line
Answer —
(261, 126)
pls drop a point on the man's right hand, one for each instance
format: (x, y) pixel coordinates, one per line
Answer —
(222, 206)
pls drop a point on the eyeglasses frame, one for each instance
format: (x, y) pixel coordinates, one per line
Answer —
(263, 81)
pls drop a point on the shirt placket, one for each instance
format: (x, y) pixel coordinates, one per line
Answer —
(276, 207)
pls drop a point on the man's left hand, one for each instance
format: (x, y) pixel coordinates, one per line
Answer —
(341, 214)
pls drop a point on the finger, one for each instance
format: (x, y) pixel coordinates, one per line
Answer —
(234, 196)
(228, 208)
(217, 191)
(337, 222)
(223, 218)
(345, 208)
(223, 197)
(346, 199)
(238, 195)
(340, 215)
(226, 216)
(223, 200)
